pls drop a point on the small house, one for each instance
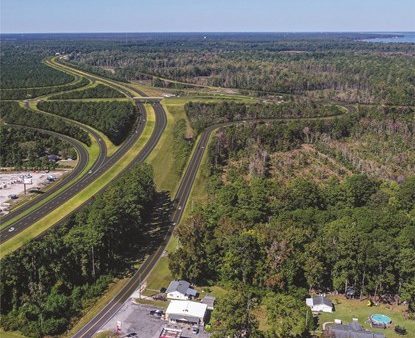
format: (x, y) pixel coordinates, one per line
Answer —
(320, 304)
(181, 290)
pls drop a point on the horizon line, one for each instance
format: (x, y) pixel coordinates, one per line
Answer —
(214, 32)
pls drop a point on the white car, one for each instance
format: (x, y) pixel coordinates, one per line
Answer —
(11, 229)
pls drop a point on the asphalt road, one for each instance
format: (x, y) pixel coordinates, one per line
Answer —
(97, 170)
(99, 167)
(83, 161)
(180, 200)
(181, 197)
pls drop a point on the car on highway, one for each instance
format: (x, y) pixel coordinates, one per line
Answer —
(90, 172)
(11, 229)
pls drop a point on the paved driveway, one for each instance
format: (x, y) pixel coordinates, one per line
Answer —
(136, 318)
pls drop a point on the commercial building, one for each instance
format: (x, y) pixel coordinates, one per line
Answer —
(185, 311)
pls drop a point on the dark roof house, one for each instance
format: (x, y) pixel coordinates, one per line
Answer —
(352, 330)
(180, 287)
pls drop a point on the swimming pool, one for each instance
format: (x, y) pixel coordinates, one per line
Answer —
(380, 319)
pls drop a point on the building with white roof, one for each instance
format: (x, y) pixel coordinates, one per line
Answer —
(186, 311)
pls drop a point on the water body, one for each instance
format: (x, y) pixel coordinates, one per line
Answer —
(395, 38)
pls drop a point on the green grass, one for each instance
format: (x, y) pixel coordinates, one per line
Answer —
(162, 157)
(59, 213)
(161, 276)
(346, 309)
(9, 334)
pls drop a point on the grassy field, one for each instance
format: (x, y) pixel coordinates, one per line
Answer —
(60, 212)
(346, 309)
(162, 157)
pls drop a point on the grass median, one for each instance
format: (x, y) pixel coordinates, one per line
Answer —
(62, 211)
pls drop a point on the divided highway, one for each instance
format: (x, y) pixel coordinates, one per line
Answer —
(99, 167)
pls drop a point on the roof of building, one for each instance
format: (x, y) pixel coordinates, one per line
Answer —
(209, 301)
(320, 300)
(352, 330)
(170, 333)
(178, 285)
(186, 308)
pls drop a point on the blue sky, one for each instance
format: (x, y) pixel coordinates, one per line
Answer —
(23, 16)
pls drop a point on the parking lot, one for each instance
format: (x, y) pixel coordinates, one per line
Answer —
(137, 318)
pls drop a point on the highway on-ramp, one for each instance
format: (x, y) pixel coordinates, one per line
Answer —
(82, 162)
(99, 167)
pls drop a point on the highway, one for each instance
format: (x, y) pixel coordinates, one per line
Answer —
(82, 162)
(180, 201)
(97, 170)
(99, 167)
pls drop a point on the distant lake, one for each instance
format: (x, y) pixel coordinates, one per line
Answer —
(394, 38)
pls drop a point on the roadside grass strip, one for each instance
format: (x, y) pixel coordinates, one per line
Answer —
(83, 196)
(162, 157)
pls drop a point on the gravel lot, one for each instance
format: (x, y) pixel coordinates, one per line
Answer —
(12, 183)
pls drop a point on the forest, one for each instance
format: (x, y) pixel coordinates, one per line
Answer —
(316, 196)
(98, 91)
(273, 239)
(47, 283)
(203, 115)
(12, 112)
(115, 119)
(328, 66)
(28, 148)
(24, 69)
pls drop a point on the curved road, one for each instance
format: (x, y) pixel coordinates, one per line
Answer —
(180, 201)
(97, 170)
(83, 158)
(101, 158)
(99, 167)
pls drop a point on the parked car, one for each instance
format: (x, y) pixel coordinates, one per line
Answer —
(195, 329)
(156, 313)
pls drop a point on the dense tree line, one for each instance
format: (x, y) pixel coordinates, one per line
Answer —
(29, 93)
(203, 114)
(324, 66)
(48, 282)
(115, 119)
(28, 148)
(11, 112)
(274, 241)
(24, 69)
(98, 91)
